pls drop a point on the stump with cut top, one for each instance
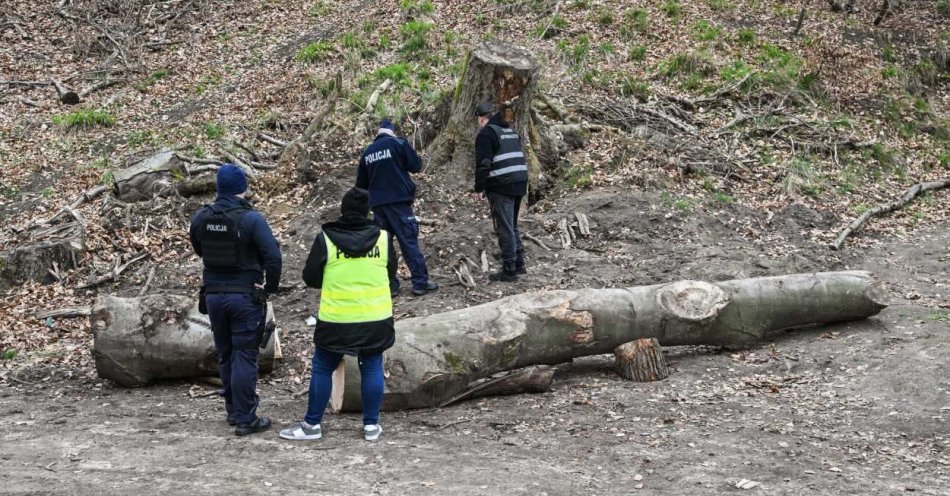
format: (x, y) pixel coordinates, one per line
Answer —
(641, 361)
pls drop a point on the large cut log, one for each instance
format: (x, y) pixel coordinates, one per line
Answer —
(137, 341)
(505, 75)
(435, 358)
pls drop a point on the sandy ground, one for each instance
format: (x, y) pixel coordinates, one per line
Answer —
(857, 408)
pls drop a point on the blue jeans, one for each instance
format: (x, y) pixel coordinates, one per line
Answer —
(399, 221)
(235, 321)
(371, 389)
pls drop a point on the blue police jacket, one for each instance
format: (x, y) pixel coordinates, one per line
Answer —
(253, 232)
(384, 170)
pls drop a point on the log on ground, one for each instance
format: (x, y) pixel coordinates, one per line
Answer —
(641, 361)
(137, 341)
(436, 357)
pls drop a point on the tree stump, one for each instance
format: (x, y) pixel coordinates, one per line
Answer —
(59, 244)
(641, 361)
(506, 76)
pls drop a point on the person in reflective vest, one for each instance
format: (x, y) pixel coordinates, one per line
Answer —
(352, 262)
(501, 172)
(238, 250)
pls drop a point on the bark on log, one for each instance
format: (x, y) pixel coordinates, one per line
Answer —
(641, 361)
(436, 358)
(66, 95)
(505, 75)
(137, 341)
(153, 176)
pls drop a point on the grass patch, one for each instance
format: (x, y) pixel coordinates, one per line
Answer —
(672, 201)
(687, 65)
(314, 51)
(939, 316)
(631, 86)
(637, 52)
(746, 36)
(399, 73)
(889, 72)
(672, 9)
(85, 119)
(943, 8)
(214, 130)
(801, 177)
(424, 7)
(634, 21)
(152, 79)
(606, 48)
(724, 197)
(605, 17)
(706, 31)
(414, 34)
(8, 354)
(576, 54)
(579, 176)
(720, 5)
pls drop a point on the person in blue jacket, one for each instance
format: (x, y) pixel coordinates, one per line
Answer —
(384, 170)
(242, 263)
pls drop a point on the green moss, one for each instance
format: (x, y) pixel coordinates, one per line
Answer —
(453, 362)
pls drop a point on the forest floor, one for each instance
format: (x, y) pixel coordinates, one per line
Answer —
(856, 408)
(811, 129)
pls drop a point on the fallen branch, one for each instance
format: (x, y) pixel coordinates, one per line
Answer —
(272, 140)
(64, 313)
(536, 240)
(196, 160)
(908, 197)
(148, 281)
(99, 86)
(115, 273)
(66, 95)
(363, 127)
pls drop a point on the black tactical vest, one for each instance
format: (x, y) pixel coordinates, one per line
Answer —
(222, 249)
(508, 165)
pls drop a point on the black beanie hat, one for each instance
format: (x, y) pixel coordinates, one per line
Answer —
(355, 200)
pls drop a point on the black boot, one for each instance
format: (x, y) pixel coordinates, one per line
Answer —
(261, 424)
(503, 276)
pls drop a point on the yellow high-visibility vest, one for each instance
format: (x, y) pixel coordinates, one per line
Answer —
(356, 289)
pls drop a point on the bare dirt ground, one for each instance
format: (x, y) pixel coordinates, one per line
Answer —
(857, 408)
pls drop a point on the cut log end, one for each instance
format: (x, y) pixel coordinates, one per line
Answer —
(641, 361)
(693, 300)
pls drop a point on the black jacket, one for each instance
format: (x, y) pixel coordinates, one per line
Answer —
(255, 232)
(355, 235)
(486, 145)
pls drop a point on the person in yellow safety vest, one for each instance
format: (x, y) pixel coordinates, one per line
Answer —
(352, 261)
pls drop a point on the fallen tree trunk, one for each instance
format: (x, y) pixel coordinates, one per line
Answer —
(435, 358)
(137, 341)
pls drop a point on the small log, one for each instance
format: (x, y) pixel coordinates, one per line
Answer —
(272, 140)
(66, 95)
(99, 86)
(583, 224)
(641, 361)
(64, 313)
(365, 119)
(565, 233)
(464, 275)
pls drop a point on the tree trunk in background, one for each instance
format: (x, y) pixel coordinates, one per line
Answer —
(436, 357)
(137, 341)
(506, 76)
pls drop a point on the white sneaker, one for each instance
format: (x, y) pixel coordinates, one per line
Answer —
(372, 432)
(302, 432)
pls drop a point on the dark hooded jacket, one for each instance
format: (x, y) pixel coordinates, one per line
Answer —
(355, 235)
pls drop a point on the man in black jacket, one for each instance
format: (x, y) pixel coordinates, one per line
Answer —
(501, 172)
(241, 262)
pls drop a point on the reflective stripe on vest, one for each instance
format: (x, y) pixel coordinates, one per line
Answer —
(509, 158)
(356, 289)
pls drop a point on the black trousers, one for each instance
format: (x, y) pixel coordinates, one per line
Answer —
(504, 214)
